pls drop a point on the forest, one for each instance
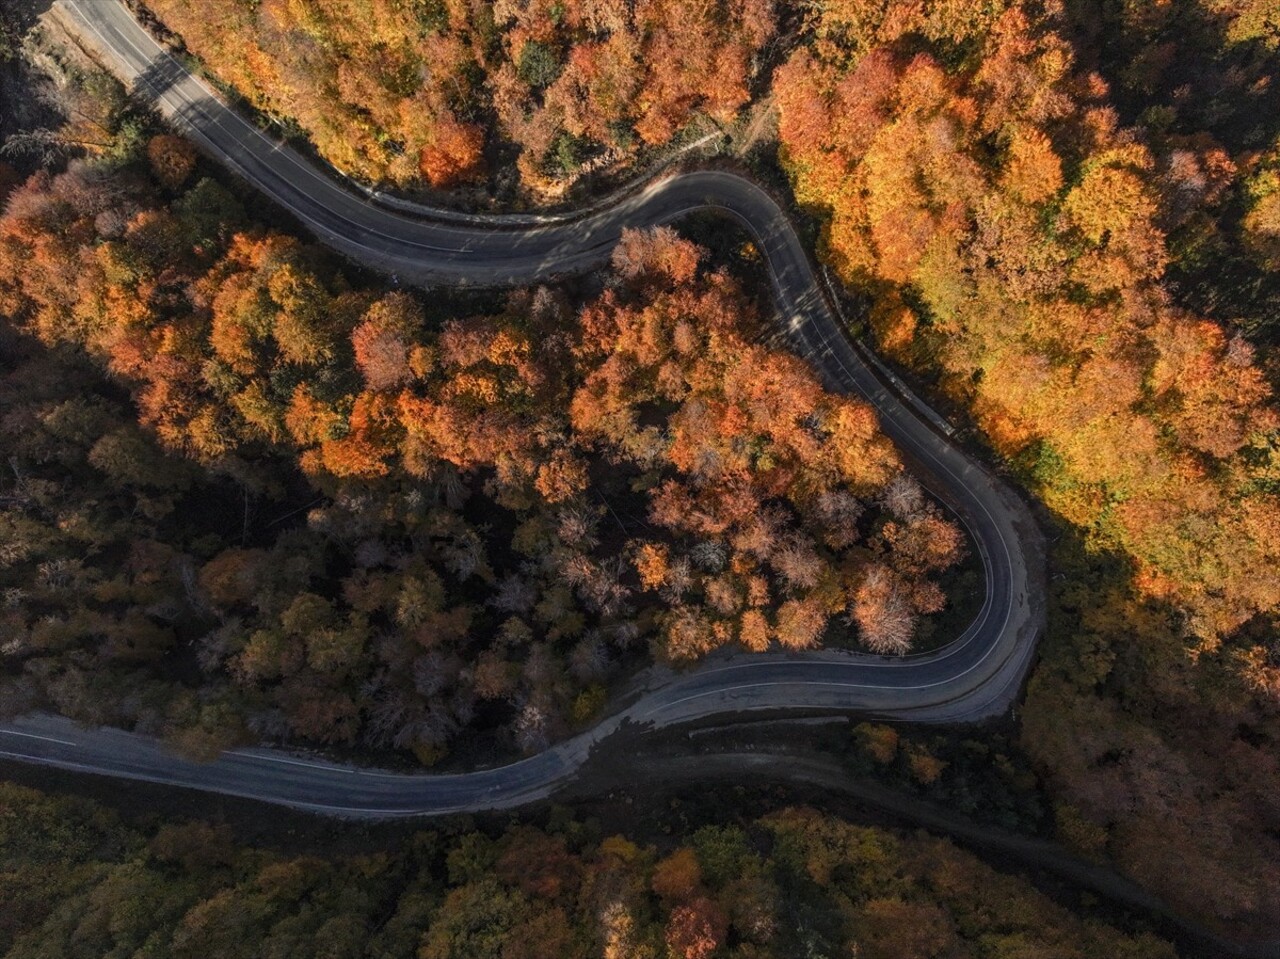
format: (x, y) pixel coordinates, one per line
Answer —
(79, 881)
(254, 493)
(448, 93)
(1029, 254)
(502, 511)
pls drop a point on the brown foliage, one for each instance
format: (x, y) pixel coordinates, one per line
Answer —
(172, 159)
(394, 99)
(677, 877)
(1046, 312)
(696, 929)
(454, 155)
(1001, 198)
(660, 397)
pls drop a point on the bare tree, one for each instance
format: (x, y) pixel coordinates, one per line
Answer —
(709, 555)
(465, 556)
(589, 662)
(679, 580)
(883, 615)
(904, 498)
(577, 526)
(839, 511)
(515, 594)
(433, 672)
(531, 728)
(799, 563)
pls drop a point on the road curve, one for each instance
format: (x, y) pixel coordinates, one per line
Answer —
(976, 676)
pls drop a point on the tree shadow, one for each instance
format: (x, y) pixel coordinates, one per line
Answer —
(1178, 71)
(160, 76)
(23, 14)
(1182, 56)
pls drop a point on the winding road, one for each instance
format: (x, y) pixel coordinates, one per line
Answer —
(976, 676)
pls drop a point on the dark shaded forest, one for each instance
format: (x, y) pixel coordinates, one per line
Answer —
(77, 881)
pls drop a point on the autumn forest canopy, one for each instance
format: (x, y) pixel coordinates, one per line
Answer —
(425, 90)
(254, 492)
(510, 504)
(76, 878)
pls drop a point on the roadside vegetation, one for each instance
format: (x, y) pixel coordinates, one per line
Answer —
(444, 93)
(79, 882)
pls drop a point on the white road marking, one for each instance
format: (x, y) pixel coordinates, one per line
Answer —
(327, 767)
(47, 739)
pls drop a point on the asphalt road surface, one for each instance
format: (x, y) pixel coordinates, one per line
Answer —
(977, 676)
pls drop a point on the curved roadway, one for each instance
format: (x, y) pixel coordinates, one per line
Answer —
(977, 676)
